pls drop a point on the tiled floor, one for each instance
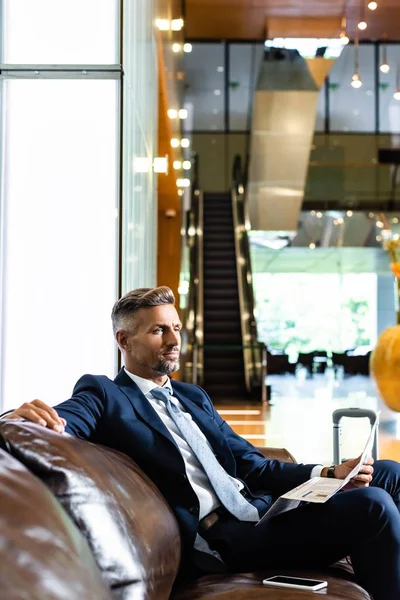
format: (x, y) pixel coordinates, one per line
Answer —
(300, 417)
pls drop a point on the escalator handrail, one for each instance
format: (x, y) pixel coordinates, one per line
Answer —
(253, 350)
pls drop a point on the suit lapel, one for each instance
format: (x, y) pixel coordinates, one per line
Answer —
(141, 405)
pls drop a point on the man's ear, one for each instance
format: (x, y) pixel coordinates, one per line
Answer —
(122, 338)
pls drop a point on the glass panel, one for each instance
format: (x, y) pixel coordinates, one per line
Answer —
(62, 32)
(205, 79)
(245, 60)
(320, 118)
(389, 107)
(139, 236)
(353, 109)
(60, 250)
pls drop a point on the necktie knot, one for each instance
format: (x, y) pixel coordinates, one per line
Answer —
(161, 393)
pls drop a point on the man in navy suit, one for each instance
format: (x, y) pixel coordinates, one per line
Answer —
(363, 523)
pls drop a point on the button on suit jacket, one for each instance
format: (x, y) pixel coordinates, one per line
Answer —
(117, 414)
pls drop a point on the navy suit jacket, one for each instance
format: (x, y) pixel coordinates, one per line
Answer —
(117, 414)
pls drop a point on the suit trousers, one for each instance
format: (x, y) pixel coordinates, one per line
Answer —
(363, 523)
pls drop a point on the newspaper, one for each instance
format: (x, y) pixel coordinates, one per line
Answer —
(319, 489)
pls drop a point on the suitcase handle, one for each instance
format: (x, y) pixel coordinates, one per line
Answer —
(337, 416)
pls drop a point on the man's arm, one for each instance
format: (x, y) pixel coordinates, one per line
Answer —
(258, 472)
(79, 415)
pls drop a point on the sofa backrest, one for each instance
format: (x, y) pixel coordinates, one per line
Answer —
(43, 555)
(129, 527)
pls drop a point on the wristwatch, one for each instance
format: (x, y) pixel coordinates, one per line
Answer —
(331, 472)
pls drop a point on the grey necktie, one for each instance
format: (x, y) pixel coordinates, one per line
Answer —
(223, 485)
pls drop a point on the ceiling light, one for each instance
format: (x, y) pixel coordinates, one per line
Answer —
(187, 47)
(162, 24)
(185, 143)
(176, 24)
(220, 69)
(378, 238)
(172, 113)
(362, 25)
(176, 48)
(177, 164)
(372, 5)
(396, 95)
(344, 38)
(217, 92)
(312, 246)
(186, 165)
(160, 164)
(175, 143)
(395, 220)
(340, 220)
(183, 113)
(183, 183)
(180, 192)
(319, 215)
(349, 213)
(379, 224)
(384, 67)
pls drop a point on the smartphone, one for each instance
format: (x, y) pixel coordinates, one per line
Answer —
(295, 582)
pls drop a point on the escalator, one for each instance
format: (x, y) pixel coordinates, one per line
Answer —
(222, 353)
(220, 348)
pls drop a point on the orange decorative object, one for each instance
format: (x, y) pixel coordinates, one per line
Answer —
(385, 366)
(395, 266)
(385, 359)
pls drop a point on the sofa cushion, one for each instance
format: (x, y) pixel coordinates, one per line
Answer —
(43, 555)
(248, 586)
(129, 527)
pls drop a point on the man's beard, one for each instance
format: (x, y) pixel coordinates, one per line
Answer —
(165, 367)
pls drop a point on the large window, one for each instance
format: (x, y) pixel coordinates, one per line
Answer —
(353, 109)
(330, 312)
(60, 186)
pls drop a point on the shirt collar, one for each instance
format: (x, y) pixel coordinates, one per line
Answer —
(146, 385)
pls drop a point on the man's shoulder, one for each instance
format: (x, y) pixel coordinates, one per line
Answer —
(95, 381)
(189, 390)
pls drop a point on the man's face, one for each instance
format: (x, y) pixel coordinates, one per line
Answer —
(154, 346)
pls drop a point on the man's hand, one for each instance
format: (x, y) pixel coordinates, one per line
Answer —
(362, 479)
(38, 412)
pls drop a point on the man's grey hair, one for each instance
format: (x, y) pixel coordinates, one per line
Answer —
(126, 307)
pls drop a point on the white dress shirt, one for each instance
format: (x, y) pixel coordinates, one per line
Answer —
(196, 475)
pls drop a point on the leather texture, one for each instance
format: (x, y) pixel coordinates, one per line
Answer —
(43, 555)
(129, 527)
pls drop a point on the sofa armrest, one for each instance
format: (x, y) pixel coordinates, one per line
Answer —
(278, 454)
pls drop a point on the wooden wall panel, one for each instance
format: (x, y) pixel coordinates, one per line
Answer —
(246, 19)
(169, 227)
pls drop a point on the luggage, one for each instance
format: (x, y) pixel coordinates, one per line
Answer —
(337, 431)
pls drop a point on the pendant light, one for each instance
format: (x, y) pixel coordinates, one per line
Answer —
(396, 95)
(362, 23)
(384, 68)
(355, 80)
(372, 5)
(344, 39)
